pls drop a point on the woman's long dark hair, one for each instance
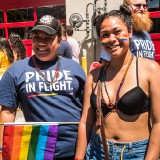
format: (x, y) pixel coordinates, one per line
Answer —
(5, 46)
(19, 48)
(124, 13)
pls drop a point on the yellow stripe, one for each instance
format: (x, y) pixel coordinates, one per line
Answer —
(52, 94)
(25, 142)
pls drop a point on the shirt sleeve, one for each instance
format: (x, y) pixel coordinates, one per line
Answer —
(9, 96)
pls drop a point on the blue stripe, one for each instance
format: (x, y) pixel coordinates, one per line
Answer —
(42, 142)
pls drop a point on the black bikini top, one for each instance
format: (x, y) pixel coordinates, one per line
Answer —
(133, 102)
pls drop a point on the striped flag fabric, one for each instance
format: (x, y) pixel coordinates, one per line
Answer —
(29, 142)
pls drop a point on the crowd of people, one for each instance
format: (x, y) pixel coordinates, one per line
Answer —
(116, 105)
(11, 51)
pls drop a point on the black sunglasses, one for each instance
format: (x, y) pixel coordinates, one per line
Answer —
(145, 6)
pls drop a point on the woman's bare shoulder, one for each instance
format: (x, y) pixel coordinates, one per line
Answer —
(149, 67)
(95, 73)
(147, 63)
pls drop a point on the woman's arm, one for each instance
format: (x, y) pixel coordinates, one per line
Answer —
(86, 122)
(154, 142)
(6, 115)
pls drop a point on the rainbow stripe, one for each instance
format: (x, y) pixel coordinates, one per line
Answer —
(29, 142)
(123, 37)
(41, 95)
(104, 41)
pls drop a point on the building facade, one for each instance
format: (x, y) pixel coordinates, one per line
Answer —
(85, 33)
(19, 16)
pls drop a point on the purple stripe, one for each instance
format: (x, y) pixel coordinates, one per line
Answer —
(51, 142)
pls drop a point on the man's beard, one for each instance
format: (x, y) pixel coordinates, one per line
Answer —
(141, 22)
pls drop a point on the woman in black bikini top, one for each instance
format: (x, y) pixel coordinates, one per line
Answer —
(120, 99)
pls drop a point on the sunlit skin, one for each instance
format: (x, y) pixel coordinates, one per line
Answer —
(137, 10)
(121, 127)
(112, 29)
(45, 46)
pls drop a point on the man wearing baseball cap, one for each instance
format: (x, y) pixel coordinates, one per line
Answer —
(48, 88)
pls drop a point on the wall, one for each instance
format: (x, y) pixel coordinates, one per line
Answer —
(91, 45)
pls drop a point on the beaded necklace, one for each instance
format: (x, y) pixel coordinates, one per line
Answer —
(112, 106)
(42, 74)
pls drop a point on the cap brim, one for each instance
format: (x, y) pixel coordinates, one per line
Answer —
(45, 29)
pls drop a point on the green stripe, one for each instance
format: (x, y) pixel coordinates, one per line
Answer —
(33, 142)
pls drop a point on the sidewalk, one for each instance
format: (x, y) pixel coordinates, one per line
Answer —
(19, 116)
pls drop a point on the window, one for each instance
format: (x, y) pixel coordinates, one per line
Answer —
(58, 11)
(2, 32)
(20, 15)
(1, 17)
(153, 5)
(22, 31)
(156, 26)
(154, 8)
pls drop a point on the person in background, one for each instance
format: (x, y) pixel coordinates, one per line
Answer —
(17, 46)
(13, 37)
(6, 56)
(58, 87)
(64, 49)
(141, 44)
(120, 98)
(73, 43)
(104, 59)
(19, 50)
(104, 56)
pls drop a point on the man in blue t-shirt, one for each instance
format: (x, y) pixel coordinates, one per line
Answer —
(49, 88)
(64, 49)
(141, 44)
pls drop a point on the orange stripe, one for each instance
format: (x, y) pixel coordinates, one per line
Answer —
(17, 142)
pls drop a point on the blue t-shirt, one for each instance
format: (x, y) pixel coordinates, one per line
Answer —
(104, 55)
(22, 83)
(141, 45)
(65, 49)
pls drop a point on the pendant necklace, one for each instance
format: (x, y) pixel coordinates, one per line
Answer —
(43, 75)
(112, 106)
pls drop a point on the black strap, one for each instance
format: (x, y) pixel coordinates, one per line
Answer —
(137, 71)
(100, 119)
(99, 77)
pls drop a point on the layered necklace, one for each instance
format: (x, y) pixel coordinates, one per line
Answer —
(43, 75)
(113, 106)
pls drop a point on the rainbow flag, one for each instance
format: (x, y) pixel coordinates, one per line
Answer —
(29, 142)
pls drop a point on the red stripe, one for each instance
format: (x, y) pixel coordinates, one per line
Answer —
(7, 142)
